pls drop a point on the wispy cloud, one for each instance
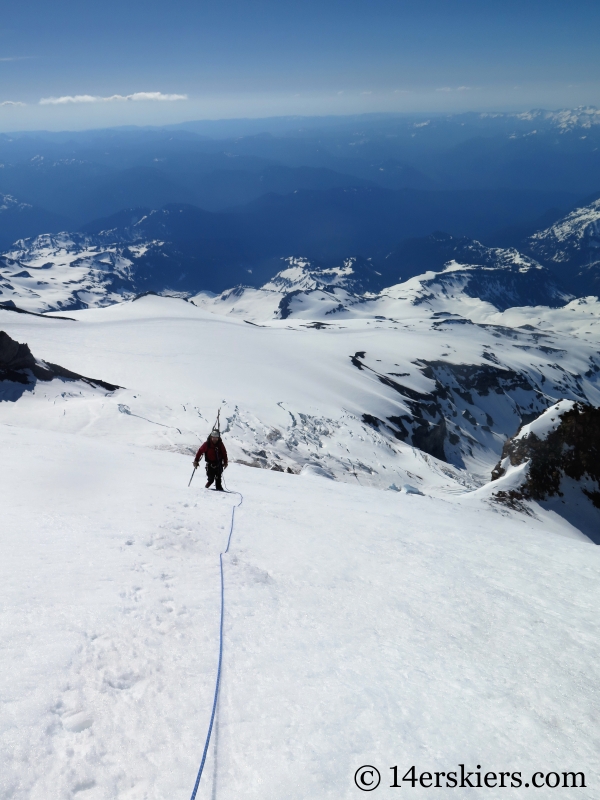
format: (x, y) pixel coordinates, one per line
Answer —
(115, 98)
(12, 103)
(454, 89)
(15, 58)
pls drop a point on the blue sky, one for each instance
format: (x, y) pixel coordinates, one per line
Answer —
(130, 62)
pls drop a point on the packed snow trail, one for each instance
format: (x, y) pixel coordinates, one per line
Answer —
(218, 680)
(363, 627)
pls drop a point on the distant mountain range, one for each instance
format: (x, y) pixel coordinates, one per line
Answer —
(211, 205)
(553, 158)
(22, 220)
(183, 250)
(571, 248)
(325, 225)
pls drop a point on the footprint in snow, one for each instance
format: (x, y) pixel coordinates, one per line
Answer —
(84, 786)
(77, 722)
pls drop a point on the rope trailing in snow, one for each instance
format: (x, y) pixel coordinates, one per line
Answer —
(218, 682)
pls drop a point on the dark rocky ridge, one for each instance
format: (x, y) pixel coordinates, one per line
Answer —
(571, 450)
(19, 366)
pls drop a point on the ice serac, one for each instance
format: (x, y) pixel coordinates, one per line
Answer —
(555, 461)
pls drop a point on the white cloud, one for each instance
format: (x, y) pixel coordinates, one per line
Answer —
(12, 103)
(454, 89)
(115, 98)
(15, 58)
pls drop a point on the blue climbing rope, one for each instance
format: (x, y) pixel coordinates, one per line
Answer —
(218, 683)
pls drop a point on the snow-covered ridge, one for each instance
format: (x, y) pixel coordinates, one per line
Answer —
(568, 237)
(554, 461)
(90, 270)
(547, 422)
(302, 275)
(502, 278)
(346, 393)
(69, 270)
(461, 356)
(20, 372)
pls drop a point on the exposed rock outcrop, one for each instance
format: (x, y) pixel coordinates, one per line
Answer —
(18, 365)
(557, 456)
(563, 442)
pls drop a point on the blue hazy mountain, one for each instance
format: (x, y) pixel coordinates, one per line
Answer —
(19, 220)
(323, 225)
(87, 174)
(252, 191)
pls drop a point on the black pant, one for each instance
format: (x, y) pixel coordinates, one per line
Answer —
(214, 471)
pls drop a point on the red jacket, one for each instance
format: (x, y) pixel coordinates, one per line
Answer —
(213, 453)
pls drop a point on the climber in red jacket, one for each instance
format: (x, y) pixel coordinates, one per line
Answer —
(215, 456)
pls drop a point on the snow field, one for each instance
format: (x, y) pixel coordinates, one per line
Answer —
(361, 627)
(288, 391)
(180, 364)
(65, 270)
(107, 628)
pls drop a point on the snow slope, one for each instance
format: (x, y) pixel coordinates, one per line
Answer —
(361, 627)
(290, 397)
(421, 625)
(353, 396)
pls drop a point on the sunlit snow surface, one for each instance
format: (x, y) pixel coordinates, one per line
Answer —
(362, 626)
(292, 391)
(289, 396)
(67, 270)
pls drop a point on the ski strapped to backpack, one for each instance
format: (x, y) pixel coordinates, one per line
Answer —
(215, 427)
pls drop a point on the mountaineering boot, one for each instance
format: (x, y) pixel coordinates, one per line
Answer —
(208, 483)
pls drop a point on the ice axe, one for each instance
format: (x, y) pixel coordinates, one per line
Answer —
(192, 478)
